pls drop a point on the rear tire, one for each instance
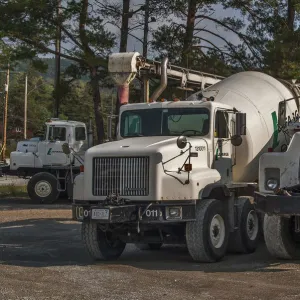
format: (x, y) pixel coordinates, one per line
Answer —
(150, 246)
(245, 238)
(42, 187)
(99, 244)
(278, 234)
(207, 237)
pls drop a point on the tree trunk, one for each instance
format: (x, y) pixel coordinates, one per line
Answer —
(189, 32)
(291, 14)
(146, 29)
(123, 48)
(124, 28)
(57, 62)
(97, 106)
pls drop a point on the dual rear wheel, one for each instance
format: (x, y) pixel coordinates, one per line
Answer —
(208, 238)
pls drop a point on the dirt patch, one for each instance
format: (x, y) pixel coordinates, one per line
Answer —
(42, 257)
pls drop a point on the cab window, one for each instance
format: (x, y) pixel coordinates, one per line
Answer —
(80, 134)
(221, 125)
(132, 125)
(57, 133)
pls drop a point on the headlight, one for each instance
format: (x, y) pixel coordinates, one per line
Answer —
(272, 184)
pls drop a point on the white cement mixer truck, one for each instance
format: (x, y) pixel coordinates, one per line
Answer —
(182, 171)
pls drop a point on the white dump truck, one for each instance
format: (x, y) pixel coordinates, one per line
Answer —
(181, 171)
(51, 172)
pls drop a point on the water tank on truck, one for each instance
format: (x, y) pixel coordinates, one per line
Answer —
(260, 96)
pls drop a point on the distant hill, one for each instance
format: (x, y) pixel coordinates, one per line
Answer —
(50, 73)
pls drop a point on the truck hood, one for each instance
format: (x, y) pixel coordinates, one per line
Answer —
(163, 148)
(142, 145)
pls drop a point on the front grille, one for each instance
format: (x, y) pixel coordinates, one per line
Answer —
(127, 176)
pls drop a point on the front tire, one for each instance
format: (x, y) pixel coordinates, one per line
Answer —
(207, 237)
(280, 238)
(99, 244)
(42, 187)
(245, 238)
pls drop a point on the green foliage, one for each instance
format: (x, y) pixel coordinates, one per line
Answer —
(29, 28)
(40, 102)
(267, 35)
(200, 44)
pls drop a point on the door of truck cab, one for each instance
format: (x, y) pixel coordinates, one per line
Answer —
(57, 136)
(224, 128)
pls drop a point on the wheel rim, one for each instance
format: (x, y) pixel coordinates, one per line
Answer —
(217, 231)
(252, 225)
(43, 189)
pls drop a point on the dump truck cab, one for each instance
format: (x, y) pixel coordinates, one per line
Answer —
(31, 155)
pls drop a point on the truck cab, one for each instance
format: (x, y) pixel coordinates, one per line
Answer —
(278, 197)
(32, 155)
(42, 159)
(152, 130)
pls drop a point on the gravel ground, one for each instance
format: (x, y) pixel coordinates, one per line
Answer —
(42, 257)
(12, 180)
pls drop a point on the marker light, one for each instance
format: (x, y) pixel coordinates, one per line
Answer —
(188, 167)
(174, 213)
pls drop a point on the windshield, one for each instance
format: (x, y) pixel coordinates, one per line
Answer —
(165, 122)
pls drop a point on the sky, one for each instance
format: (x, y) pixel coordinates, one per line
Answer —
(219, 13)
(135, 45)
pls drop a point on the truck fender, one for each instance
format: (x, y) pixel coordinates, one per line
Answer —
(215, 190)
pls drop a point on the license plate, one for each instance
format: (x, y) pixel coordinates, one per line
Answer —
(100, 214)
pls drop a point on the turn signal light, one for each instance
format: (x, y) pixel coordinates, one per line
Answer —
(188, 167)
(81, 168)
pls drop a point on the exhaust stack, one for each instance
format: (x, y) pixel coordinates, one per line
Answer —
(163, 81)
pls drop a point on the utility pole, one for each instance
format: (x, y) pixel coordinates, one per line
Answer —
(5, 114)
(57, 61)
(25, 108)
(145, 84)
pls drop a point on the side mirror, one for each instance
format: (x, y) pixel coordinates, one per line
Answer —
(236, 140)
(181, 142)
(240, 124)
(66, 149)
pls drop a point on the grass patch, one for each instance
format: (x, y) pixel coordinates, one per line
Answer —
(13, 191)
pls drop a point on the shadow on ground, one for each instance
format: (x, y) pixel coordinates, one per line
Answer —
(57, 242)
(17, 203)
